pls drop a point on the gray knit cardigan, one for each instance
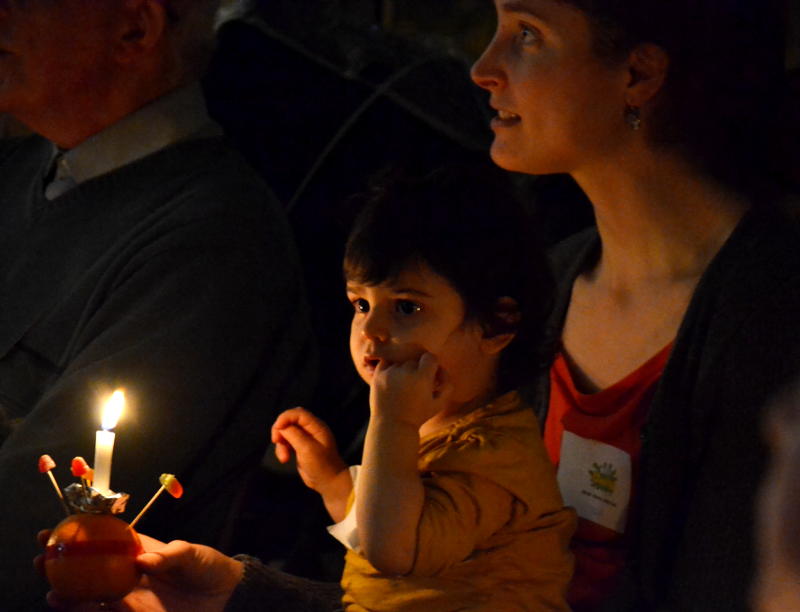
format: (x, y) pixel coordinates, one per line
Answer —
(703, 455)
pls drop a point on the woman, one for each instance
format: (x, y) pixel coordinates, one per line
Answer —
(676, 316)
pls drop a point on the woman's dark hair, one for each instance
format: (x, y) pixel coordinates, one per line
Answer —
(466, 224)
(719, 103)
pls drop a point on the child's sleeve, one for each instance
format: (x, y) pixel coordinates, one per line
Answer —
(492, 489)
(461, 510)
(346, 530)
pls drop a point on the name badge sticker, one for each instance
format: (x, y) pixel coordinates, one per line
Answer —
(595, 479)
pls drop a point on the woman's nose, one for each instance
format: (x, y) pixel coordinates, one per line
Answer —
(486, 71)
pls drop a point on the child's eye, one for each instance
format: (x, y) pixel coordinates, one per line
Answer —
(407, 307)
(361, 305)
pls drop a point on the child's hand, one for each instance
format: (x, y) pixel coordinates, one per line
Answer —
(178, 577)
(318, 460)
(410, 392)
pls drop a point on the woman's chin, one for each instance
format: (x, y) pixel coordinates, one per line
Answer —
(508, 158)
(527, 167)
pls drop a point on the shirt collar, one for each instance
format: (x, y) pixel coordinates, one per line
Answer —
(177, 116)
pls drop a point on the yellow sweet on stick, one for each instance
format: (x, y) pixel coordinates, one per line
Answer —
(169, 484)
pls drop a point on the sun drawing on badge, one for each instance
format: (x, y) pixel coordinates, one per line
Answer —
(604, 477)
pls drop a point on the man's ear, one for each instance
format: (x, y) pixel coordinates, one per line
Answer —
(141, 29)
(501, 332)
(647, 66)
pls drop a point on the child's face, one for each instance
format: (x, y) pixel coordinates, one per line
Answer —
(417, 312)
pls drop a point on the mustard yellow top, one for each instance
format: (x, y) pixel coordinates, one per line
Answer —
(494, 534)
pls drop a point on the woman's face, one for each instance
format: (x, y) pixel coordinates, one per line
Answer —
(560, 108)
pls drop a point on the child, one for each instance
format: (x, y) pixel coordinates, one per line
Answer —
(455, 505)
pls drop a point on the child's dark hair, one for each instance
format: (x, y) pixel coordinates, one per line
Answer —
(466, 224)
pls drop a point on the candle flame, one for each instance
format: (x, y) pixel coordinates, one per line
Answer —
(112, 409)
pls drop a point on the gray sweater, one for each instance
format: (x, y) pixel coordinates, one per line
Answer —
(703, 455)
(174, 277)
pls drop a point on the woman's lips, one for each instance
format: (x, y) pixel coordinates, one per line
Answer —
(505, 119)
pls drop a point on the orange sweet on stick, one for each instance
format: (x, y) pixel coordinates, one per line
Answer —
(92, 557)
(46, 464)
(79, 467)
(82, 470)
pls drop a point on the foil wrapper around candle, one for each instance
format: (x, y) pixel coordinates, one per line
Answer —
(88, 499)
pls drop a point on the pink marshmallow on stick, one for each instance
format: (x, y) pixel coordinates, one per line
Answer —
(46, 464)
(169, 484)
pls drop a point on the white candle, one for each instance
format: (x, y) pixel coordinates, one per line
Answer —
(104, 442)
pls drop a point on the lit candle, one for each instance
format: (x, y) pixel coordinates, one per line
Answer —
(104, 442)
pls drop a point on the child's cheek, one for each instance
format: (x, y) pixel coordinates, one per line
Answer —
(408, 352)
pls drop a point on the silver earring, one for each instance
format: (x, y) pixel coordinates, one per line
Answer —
(633, 117)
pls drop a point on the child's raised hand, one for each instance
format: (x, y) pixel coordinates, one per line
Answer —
(318, 460)
(410, 392)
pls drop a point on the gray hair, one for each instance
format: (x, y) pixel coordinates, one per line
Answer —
(234, 9)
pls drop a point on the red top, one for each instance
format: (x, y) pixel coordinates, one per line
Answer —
(601, 432)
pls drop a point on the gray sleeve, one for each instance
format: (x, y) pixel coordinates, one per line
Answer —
(265, 588)
(210, 343)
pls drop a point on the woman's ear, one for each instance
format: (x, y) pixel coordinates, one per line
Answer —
(647, 66)
(501, 332)
(141, 29)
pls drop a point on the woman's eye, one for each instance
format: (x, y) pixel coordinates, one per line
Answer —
(407, 308)
(361, 305)
(528, 35)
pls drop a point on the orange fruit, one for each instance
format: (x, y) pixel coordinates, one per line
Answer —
(92, 557)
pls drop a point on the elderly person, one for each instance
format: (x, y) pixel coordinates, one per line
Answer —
(137, 250)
